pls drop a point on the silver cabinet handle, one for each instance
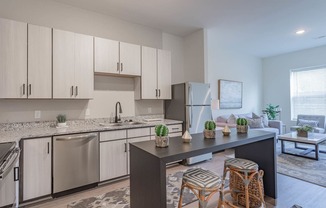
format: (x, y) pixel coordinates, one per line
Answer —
(76, 91)
(75, 137)
(118, 66)
(125, 147)
(30, 89)
(72, 90)
(159, 93)
(48, 147)
(156, 95)
(121, 66)
(24, 89)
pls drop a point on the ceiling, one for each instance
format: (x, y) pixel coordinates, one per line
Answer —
(260, 27)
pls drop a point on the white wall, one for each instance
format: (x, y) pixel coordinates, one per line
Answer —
(175, 44)
(276, 76)
(228, 63)
(194, 57)
(107, 90)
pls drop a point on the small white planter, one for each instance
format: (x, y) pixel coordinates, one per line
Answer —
(61, 125)
(162, 141)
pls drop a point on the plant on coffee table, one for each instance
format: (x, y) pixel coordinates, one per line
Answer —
(303, 131)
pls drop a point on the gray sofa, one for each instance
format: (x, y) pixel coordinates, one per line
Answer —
(316, 121)
(273, 125)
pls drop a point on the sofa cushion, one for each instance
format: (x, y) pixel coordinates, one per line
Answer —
(245, 115)
(319, 130)
(264, 118)
(222, 119)
(274, 130)
(312, 123)
(255, 123)
(232, 119)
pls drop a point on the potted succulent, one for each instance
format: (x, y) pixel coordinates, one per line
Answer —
(161, 136)
(242, 125)
(61, 120)
(209, 131)
(303, 131)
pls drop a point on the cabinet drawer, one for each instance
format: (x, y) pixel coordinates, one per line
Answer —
(138, 132)
(177, 134)
(175, 128)
(113, 135)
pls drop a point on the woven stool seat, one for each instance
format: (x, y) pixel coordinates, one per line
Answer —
(203, 183)
(241, 164)
(201, 178)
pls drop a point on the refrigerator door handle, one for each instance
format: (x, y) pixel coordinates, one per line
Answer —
(190, 117)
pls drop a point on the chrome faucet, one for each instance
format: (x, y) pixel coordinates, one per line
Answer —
(116, 119)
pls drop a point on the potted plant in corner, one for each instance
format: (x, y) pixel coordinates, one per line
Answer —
(209, 131)
(61, 120)
(271, 111)
(161, 136)
(242, 125)
(303, 131)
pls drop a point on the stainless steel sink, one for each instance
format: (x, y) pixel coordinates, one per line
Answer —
(132, 123)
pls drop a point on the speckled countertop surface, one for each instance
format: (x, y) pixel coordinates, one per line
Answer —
(16, 131)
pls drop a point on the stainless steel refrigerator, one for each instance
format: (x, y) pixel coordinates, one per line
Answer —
(191, 103)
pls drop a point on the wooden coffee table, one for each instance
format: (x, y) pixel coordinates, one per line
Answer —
(313, 139)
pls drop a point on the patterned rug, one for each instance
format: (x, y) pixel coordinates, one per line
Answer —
(120, 198)
(309, 170)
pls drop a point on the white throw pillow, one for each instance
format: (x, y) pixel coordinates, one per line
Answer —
(255, 123)
(232, 119)
(312, 123)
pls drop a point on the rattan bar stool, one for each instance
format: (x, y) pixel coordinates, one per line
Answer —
(246, 183)
(203, 183)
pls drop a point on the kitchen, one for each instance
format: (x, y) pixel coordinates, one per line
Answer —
(41, 92)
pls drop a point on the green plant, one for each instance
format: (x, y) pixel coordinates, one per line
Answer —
(305, 128)
(242, 122)
(161, 130)
(61, 118)
(210, 125)
(271, 111)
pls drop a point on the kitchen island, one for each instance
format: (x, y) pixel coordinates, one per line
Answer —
(148, 163)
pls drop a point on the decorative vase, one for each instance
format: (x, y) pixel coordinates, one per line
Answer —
(226, 131)
(242, 129)
(209, 134)
(61, 125)
(301, 133)
(162, 141)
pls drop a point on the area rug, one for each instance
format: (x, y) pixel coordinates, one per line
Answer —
(120, 198)
(309, 170)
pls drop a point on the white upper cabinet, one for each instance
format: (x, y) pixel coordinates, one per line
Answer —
(39, 62)
(155, 82)
(129, 59)
(164, 74)
(72, 65)
(13, 59)
(106, 55)
(116, 58)
(149, 73)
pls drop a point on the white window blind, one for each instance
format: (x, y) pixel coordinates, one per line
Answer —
(308, 92)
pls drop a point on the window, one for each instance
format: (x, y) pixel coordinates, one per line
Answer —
(308, 92)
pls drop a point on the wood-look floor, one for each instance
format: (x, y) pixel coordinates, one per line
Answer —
(290, 190)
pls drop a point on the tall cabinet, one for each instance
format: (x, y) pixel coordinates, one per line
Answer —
(73, 76)
(13, 59)
(155, 82)
(39, 62)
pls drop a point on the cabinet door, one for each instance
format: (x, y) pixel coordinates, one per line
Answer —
(7, 189)
(13, 59)
(129, 59)
(39, 62)
(113, 159)
(139, 139)
(164, 74)
(106, 55)
(63, 64)
(36, 168)
(149, 73)
(84, 74)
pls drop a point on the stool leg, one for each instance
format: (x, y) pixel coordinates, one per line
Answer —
(181, 193)
(260, 182)
(246, 181)
(202, 201)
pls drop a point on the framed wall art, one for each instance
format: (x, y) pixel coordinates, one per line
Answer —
(230, 94)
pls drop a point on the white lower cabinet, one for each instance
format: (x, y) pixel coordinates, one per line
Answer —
(36, 168)
(113, 159)
(139, 139)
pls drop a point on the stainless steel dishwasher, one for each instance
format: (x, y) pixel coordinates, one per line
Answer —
(75, 161)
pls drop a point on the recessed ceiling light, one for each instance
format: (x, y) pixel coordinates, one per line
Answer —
(299, 32)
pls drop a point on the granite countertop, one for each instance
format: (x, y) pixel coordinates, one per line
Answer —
(14, 132)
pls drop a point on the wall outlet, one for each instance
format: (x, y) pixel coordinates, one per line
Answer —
(37, 114)
(149, 110)
(87, 112)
